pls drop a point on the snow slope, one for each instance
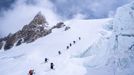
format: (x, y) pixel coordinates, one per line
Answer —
(19, 60)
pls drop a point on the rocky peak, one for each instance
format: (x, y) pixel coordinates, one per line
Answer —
(39, 19)
(37, 28)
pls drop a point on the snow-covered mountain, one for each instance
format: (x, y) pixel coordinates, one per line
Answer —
(88, 47)
(37, 28)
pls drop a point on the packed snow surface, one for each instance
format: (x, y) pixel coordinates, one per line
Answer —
(87, 54)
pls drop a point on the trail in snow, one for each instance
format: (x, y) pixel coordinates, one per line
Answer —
(70, 62)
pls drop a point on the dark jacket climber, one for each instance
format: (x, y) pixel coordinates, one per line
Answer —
(70, 44)
(51, 66)
(74, 42)
(46, 60)
(59, 52)
(79, 38)
(67, 47)
(31, 72)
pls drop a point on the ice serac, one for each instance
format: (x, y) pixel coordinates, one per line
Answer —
(124, 40)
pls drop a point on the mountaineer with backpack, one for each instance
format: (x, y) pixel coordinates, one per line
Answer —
(31, 72)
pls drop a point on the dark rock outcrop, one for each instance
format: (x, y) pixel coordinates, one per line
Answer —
(39, 19)
(19, 42)
(59, 25)
(1, 45)
(67, 28)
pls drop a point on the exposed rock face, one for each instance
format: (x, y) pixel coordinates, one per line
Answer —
(59, 25)
(19, 42)
(67, 28)
(1, 45)
(10, 42)
(37, 28)
(39, 19)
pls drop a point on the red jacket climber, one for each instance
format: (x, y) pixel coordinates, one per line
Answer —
(31, 72)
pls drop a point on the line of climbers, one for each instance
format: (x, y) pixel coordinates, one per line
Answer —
(71, 43)
(32, 72)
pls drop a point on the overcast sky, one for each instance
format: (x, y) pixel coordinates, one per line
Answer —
(89, 8)
(69, 8)
(14, 14)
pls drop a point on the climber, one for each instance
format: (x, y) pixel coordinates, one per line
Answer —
(51, 66)
(59, 52)
(74, 42)
(46, 60)
(70, 44)
(67, 47)
(31, 72)
(79, 38)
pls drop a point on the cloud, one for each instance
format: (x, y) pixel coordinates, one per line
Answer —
(91, 8)
(23, 12)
